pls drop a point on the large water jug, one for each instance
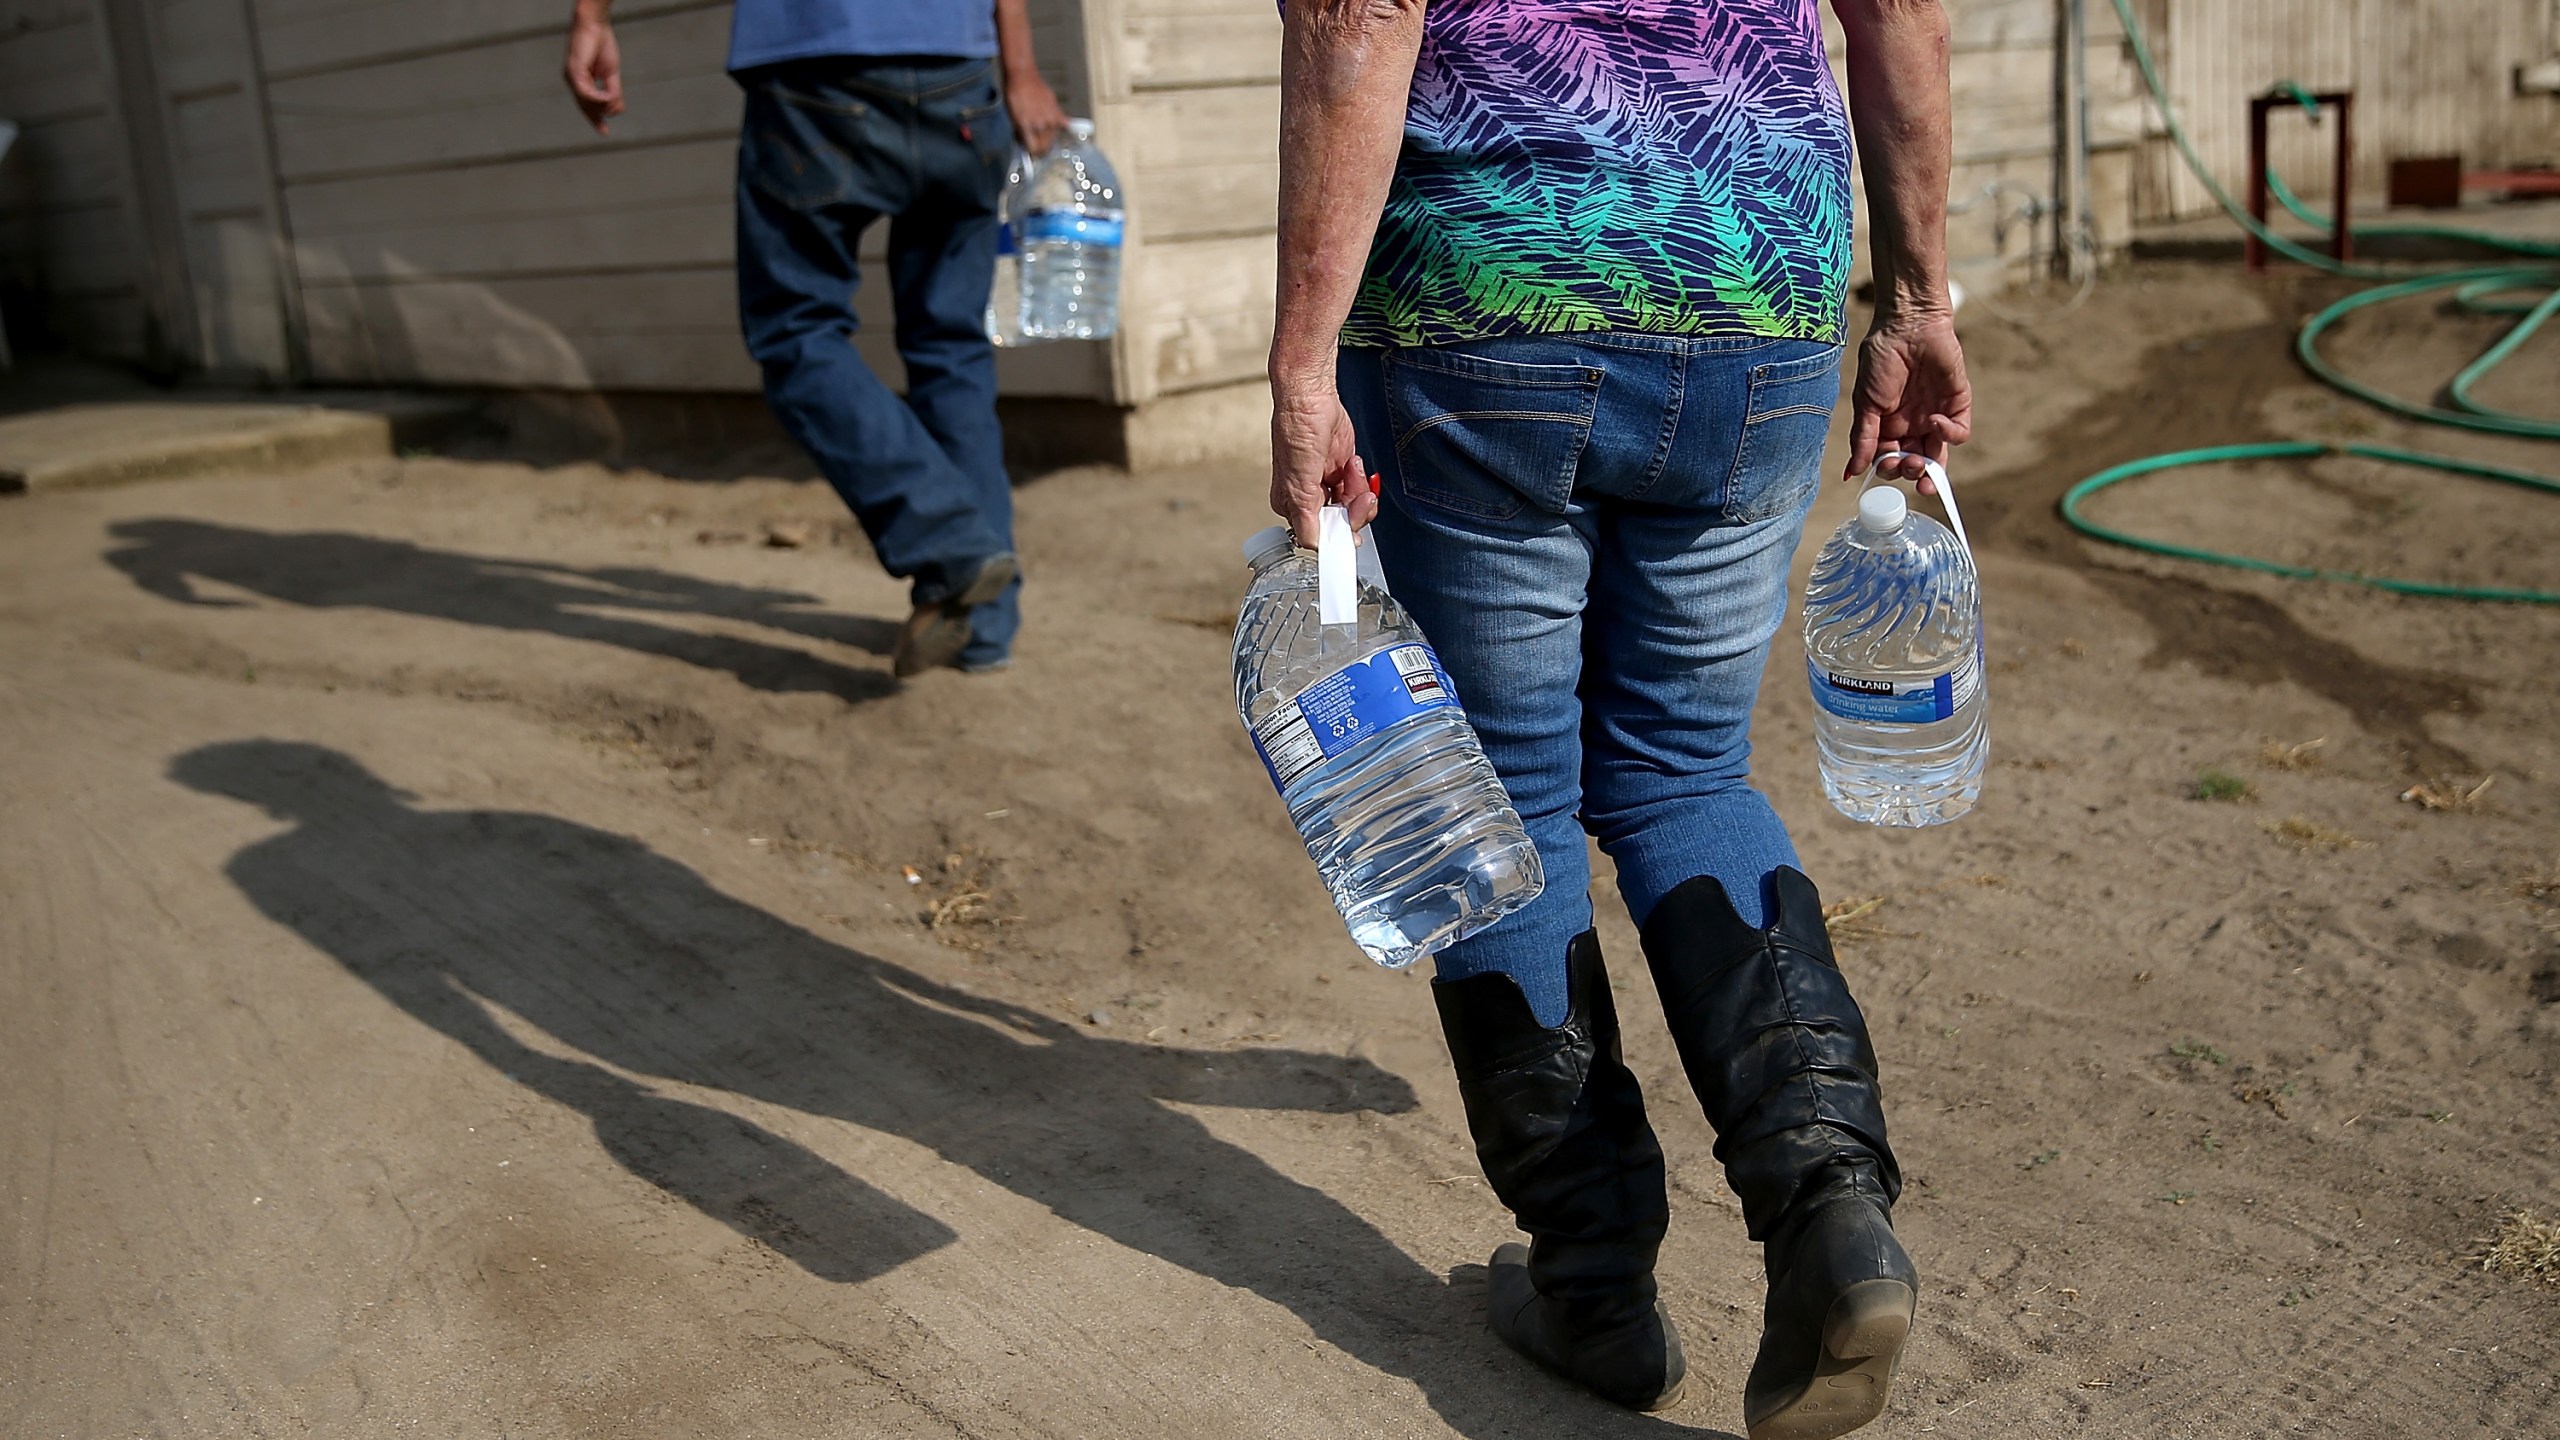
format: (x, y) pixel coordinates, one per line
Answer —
(1004, 297)
(1383, 776)
(1069, 233)
(1893, 648)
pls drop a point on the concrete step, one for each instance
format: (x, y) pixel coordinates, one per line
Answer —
(108, 442)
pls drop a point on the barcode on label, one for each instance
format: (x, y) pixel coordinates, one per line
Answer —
(1421, 677)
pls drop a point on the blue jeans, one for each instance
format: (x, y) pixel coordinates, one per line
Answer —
(830, 146)
(1594, 531)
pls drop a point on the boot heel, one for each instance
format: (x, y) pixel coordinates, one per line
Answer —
(1870, 1318)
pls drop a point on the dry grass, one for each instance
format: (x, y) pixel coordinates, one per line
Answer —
(2447, 794)
(2526, 1246)
(2545, 888)
(1853, 919)
(2303, 833)
(962, 914)
(2277, 755)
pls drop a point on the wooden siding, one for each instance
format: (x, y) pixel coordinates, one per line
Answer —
(398, 191)
(67, 251)
(2430, 76)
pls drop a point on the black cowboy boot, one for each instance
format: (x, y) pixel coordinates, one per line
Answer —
(1781, 1061)
(1559, 1126)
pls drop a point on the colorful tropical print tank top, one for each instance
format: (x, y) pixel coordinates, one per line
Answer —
(1669, 166)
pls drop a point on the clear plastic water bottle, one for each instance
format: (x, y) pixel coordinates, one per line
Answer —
(1893, 646)
(1070, 231)
(1004, 298)
(1381, 772)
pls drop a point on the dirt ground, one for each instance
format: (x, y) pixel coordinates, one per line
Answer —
(489, 952)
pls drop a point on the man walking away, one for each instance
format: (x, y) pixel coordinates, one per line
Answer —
(857, 111)
(1570, 276)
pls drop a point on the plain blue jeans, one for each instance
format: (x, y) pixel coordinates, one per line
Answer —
(828, 147)
(1594, 532)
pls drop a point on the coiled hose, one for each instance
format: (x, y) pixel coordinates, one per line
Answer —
(2483, 290)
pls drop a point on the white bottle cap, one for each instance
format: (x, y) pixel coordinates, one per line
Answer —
(1882, 508)
(1264, 542)
(1080, 128)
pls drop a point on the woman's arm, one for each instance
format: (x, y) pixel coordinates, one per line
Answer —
(1346, 69)
(1911, 392)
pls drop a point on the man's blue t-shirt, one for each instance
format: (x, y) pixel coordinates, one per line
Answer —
(762, 32)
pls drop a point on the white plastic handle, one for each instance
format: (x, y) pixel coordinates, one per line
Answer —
(1337, 568)
(1946, 490)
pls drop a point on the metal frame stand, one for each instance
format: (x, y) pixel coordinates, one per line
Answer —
(2342, 168)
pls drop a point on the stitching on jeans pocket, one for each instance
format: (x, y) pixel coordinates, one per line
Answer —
(1501, 372)
(1448, 416)
(1781, 414)
(1787, 434)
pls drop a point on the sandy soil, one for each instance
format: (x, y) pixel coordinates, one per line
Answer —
(488, 952)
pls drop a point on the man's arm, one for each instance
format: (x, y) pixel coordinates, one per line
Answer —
(594, 64)
(1037, 116)
(1346, 71)
(1911, 392)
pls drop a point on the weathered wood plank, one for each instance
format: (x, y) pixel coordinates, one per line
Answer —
(70, 161)
(618, 207)
(1201, 162)
(75, 251)
(671, 331)
(1202, 44)
(221, 156)
(51, 73)
(501, 100)
(301, 37)
(1202, 314)
(200, 44)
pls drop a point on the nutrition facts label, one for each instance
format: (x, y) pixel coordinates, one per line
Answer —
(1362, 699)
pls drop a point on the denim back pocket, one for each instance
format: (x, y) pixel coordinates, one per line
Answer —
(1785, 422)
(795, 145)
(1487, 438)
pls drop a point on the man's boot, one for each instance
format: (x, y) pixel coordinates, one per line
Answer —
(1559, 1126)
(1781, 1061)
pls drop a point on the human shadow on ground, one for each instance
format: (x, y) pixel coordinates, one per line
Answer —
(632, 965)
(334, 570)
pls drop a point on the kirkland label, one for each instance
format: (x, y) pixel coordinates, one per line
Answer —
(1344, 708)
(1886, 702)
(1070, 225)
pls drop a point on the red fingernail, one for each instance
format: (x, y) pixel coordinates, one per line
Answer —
(1376, 481)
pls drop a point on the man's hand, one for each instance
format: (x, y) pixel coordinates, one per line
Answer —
(1038, 118)
(1315, 462)
(1911, 395)
(594, 66)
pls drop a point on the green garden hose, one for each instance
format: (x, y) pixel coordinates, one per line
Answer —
(2480, 290)
(2303, 450)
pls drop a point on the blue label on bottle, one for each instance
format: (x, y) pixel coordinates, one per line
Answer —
(1102, 230)
(1004, 239)
(1890, 702)
(1362, 699)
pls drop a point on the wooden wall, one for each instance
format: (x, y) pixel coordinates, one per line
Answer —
(455, 222)
(68, 261)
(399, 191)
(2430, 76)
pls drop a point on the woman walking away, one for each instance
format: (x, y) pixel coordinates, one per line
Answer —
(1570, 277)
